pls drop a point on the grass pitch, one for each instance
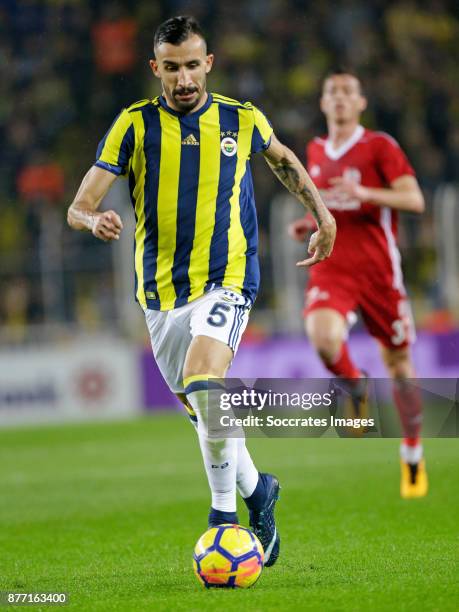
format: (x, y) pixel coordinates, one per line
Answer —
(109, 513)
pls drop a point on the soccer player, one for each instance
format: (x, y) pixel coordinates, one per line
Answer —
(186, 154)
(365, 179)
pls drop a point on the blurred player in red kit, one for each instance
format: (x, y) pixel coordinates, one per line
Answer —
(365, 179)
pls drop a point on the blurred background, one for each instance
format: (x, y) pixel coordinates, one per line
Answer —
(70, 332)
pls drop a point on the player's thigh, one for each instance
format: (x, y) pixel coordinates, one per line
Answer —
(170, 338)
(217, 324)
(386, 312)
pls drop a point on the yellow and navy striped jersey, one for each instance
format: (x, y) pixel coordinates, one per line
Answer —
(192, 192)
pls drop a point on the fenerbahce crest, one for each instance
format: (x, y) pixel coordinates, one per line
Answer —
(229, 145)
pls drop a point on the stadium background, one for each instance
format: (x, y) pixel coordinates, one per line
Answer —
(68, 67)
(109, 511)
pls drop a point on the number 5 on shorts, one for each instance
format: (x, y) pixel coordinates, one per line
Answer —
(217, 316)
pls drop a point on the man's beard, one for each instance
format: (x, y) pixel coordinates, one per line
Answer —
(186, 105)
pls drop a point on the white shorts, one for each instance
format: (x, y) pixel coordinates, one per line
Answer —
(222, 314)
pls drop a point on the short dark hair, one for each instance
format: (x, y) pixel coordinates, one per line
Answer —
(340, 70)
(176, 30)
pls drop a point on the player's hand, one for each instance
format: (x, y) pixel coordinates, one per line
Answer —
(299, 229)
(350, 188)
(107, 225)
(320, 244)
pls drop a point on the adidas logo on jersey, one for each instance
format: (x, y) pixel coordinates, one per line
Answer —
(190, 140)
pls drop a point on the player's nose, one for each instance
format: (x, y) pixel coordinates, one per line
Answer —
(184, 79)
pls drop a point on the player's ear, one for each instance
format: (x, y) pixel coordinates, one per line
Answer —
(154, 68)
(322, 104)
(209, 62)
(363, 103)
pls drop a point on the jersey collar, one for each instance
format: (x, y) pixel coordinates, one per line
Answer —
(346, 146)
(204, 107)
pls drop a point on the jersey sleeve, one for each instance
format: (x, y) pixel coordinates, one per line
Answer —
(115, 149)
(392, 161)
(262, 132)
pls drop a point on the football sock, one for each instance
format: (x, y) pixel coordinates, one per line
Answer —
(407, 399)
(342, 365)
(247, 473)
(191, 413)
(217, 517)
(411, 454)
(219, 454)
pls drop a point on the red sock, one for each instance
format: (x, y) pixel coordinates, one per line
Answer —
(407, 398)
(342, 366)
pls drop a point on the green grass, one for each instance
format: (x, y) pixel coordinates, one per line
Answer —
(110, 513)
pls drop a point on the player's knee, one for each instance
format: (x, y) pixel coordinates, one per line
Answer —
(202, 366)
(207, 357)
(401, 370)
(326, 331)
(398, 363)
(326, 343)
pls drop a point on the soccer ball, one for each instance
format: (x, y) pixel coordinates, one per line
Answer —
(228, 556)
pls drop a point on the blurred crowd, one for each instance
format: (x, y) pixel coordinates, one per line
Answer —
(68, 66)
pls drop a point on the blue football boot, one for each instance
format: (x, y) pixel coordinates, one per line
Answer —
(262, 520)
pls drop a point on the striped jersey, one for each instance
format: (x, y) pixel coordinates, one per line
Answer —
(191, 189)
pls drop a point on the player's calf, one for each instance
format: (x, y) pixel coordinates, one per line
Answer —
(408, 401)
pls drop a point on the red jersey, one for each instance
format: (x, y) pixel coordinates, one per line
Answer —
(366, 233)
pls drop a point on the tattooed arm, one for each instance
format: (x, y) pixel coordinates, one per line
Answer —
(289, 170)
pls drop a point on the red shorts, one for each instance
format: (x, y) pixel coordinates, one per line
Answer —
(385, 310)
